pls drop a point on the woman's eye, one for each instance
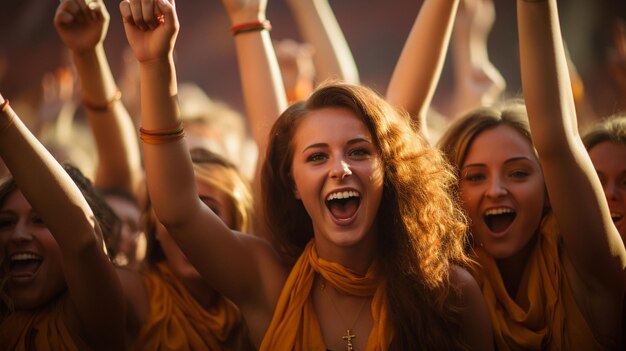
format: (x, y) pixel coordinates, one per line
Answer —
(316, 157)
(519, 174)
(37, 220)
(474, 177)
(359, 152)
(5, 222)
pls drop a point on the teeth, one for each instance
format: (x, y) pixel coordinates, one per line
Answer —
(342, 195)
(24, 257)
(498, 211)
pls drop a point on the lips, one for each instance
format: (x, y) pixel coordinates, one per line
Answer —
(498, 220)
(24, 265)
(343, 205)
(616, 217)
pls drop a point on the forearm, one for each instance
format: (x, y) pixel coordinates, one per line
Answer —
(263, 90)
(169, 172)
(46, 185)
(119, 163)
(417, 72)
(319, 27)
(545, 78)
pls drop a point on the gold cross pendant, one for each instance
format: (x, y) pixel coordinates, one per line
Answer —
(348, 337)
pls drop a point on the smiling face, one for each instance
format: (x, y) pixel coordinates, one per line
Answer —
(32, 257)
(609, 160)
(502, 190)
(338, 176)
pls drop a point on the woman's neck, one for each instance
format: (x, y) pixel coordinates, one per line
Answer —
(357, 258)
(512, 268)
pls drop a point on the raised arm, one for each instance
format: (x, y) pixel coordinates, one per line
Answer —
(82, 30)
(318, 26)
(591, 241)
(224, 259)
(477, 82)
(417, 72)
(94, 289)
(263, 90)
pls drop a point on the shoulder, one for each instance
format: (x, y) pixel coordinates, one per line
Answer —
(466, 293)
(474, 316)
(462, 281)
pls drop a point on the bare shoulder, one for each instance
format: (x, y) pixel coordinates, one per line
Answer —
(463, 281)
(475, 321)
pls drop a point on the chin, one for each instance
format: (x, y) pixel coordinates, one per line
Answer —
(499, 253)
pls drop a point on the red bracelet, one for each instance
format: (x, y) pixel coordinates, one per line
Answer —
(4, 105)
(107, 106)
(251, 27)
(162, 136)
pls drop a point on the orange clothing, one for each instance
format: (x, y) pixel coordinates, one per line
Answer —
(41, 329)
(295, 326)
(552, 319)
(178, 322)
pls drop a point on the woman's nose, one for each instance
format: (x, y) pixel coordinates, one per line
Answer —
(340, 170)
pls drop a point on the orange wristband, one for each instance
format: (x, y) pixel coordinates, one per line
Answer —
(251, 27)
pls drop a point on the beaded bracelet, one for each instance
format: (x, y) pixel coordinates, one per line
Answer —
(251, 27)
(162, 136)
(107, 106)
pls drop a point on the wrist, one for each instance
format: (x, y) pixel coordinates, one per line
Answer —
(241, 18)
(255, 26)
(88, 53)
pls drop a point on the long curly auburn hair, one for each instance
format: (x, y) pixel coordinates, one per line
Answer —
(422, 228)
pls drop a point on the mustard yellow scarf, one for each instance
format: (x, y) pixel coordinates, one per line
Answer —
(552, 320)
(294, 325)
(178, 322)
(42, 329)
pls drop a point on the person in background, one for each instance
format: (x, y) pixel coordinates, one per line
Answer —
(550, 261)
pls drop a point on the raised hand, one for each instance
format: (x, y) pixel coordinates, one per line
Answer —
(81, 26)
(477, 81)
(151, 27)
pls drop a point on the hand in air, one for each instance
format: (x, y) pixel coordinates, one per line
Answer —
(151, 27)
(81, 24)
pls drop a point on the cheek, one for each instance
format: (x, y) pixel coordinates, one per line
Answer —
(466, 196)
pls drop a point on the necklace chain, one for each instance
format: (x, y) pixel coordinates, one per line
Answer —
(349, 335)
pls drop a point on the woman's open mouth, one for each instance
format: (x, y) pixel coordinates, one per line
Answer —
(343, 205)
(24, 265)
(499, 219)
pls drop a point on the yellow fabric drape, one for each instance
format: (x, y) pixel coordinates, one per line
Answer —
(294, 325)
(552, 320)
(178, 322)
(42, 329)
